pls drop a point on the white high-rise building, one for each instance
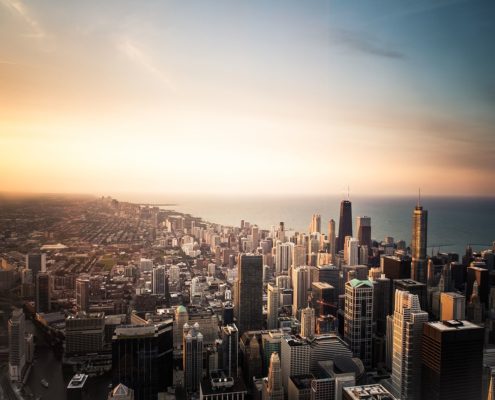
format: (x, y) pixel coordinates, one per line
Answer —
(283, 257)
(358, 318)
(408, 322)
(273, 304)
(296, 355)
(17, 345)
(301, 281)
(351, 251)
(272, 387)
(308, 322)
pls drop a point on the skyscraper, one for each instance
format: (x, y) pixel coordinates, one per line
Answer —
(300, 283)
(345, 223)
(315, 226)
(358, 318)
(296, 355)
(308, 322)
(452, 360)
(351, 251)
(322, 298)
(332, 238)
(82, 294)
(248, 307)
(363, 227)
(408, 320)
(418, 245)
(43, 292)
(272, 387)
(283, 257)
(192, 357)
(452, 306)
(273, 305)
(142, 358)
(158, 280)
(229, 349)
(17, 345)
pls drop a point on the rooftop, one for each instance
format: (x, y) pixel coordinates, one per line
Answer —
(368, 392)
(453, 325)
(359, 283)
(77, 381)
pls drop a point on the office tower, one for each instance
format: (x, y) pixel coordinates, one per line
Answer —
(331, 238)
(17, 345)
(36, 263)
(477, 272)
(315, 226)
(84, 333)
(283, 257)
(229, 350)
(452, 360)
(418, 245)
(300, 283)
(396, 267)
(82, 294)
(407, 334)
(381, 303)
(452, 306)
(228, 313)
(77, 388)
(43, 292)
(358, 318)
(281, 232)
(255, 236)
(345, 223)
(295, 357)
(248, 304)
(331, 275)
(327, 347)
(252, 361)
(474, 307)
(308, 322)
(121, 392)
(273, 305)
(283, 282)
(363, 227)
(351, 251)
(298, 255)
(142, 358)
(272, 387)
(270, 343)
(322, 298)
(192, 360)
(491, 383)
(158, 280)
(412, 287)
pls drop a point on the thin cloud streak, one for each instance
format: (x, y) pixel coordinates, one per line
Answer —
(365, 44)
(21, 10)
(140, 58)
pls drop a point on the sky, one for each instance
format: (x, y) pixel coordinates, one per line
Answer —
(238, 97)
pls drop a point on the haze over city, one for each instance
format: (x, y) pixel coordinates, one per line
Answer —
(247, 97)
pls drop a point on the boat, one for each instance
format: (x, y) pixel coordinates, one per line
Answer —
(44, 382)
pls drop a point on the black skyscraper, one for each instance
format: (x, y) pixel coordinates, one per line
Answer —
(142, 358)
(345, 223)
(248, 301)
(452, 360)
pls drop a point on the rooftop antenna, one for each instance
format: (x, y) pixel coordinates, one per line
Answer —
(419, 197)
(348, 192)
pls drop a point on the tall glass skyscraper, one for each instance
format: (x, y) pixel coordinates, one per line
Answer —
(418, 245)
(345, 223)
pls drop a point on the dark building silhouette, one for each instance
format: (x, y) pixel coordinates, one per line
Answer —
(412, 287)
(142, 358)
(452, 360)
(43, 292)
(229, 350)
(36, 263)
(418, 245)
(248, 307)
(364, 231)
(396, 267)
(323, 299)
(345, 223)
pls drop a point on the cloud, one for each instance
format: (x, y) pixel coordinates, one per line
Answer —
(21, 10)
(365, 43)
(135, 53)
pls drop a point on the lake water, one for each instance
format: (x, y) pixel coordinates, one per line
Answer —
(453, 223)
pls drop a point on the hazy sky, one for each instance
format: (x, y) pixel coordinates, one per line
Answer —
(269, 96)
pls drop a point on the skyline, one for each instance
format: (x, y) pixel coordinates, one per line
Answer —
(260, 98)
